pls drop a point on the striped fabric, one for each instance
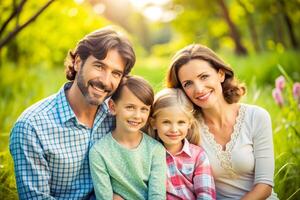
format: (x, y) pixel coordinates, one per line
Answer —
(189, 174)
(50, 149)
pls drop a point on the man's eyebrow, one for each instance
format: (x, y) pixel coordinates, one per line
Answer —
(98, 62)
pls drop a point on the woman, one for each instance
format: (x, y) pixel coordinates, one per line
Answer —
(236, 137)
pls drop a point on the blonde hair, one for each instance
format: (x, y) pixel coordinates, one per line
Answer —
(171, 97)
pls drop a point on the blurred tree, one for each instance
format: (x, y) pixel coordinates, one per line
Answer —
(289, 24)
(239, 48)
(247, 5)
(17, 10)
(201, 16)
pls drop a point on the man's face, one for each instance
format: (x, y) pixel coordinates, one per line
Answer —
(98, 79)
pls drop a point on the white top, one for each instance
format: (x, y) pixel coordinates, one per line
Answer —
(248, 158)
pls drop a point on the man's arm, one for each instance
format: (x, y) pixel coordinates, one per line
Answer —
(31, 168)
(158, 175)
(101, 180)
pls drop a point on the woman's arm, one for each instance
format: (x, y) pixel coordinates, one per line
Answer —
(260, 191)
(204, 185)
(263, 153)
(100, 176)
(158, 175)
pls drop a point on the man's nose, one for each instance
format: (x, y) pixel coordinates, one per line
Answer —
(105, 78)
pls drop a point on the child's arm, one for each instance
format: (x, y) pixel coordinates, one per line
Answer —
(204, 185)
(100, 176)
(158, 175)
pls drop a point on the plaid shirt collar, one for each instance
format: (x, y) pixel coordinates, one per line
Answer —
(64, 109)
(185, 149)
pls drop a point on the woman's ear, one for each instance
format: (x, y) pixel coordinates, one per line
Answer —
(111, 105)
(221, 74)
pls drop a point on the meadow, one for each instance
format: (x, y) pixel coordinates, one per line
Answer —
(21, 87)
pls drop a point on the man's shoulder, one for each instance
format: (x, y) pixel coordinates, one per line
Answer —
(39, 109)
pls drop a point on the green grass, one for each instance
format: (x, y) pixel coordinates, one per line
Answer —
(21, 87)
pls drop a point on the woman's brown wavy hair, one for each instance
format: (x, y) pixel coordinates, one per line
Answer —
(232, 89)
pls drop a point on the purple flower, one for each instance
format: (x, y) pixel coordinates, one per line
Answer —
(280, 82)
(296, 91)
(277, 95)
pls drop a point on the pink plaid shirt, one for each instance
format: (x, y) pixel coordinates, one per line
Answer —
(189, 174)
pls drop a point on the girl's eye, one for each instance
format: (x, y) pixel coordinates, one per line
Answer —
(165, 122)
(129, 107)
(182, 122)
(145, 109)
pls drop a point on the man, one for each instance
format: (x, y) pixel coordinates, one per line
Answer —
(50, 141)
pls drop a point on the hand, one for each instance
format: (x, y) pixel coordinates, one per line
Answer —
(117, 197)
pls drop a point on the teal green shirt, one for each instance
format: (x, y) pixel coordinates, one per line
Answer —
(138, 173)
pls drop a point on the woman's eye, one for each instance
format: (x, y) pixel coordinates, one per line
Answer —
(165, 122)
(187, 84)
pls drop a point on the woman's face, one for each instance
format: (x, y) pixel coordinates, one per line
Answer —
(202, 83)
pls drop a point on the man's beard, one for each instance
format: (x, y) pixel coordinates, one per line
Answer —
(92, 99)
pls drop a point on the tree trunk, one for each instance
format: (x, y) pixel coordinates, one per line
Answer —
(239, 48)
(289, 24)
(251, 27)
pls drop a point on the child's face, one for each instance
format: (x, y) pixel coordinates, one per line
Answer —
(131, 113)
(172, 126)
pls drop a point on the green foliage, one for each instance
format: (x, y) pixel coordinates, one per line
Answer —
(288, 130)
(31, 66)
(264, 66)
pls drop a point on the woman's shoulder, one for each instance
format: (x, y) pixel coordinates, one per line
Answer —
(256, 112)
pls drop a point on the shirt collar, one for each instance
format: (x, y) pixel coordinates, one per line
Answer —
(64, 109)
(185, 149)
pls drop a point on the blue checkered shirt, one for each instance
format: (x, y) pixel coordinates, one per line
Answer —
(50, 149)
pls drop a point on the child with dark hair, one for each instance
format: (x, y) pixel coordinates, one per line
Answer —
(128, 162)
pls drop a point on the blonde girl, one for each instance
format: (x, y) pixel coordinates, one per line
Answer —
(172, 122)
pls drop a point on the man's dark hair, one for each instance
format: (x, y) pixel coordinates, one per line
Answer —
(97, 44)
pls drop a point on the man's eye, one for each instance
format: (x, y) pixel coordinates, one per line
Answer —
(117, 74)
(203, 77)
(100, 67)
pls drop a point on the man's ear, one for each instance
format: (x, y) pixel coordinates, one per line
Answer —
(221, 74)
(111, 105)
(77, 63)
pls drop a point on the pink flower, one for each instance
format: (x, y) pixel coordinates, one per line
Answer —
(280, 82)
(276, 93)
(296, 91)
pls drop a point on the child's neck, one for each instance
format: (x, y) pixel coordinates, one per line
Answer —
(174, 148)
(127, 140)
